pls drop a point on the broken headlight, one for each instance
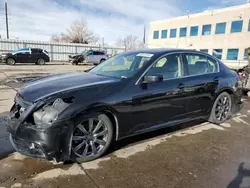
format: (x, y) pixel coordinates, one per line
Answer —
(46, 115)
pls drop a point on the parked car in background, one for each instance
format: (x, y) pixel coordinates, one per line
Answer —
(243, 69)
(91, 56)
(26, 55)
(76, 116)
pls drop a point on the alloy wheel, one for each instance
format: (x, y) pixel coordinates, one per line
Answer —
(11, 61)
(222, 108)
(89, 138)
(40, 61)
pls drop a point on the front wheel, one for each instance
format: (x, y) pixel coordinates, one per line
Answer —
(91, 138)
(10, 61)
(221, 109)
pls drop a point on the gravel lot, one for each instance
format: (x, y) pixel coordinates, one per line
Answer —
(197, 154)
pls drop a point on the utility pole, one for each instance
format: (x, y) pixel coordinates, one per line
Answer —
(6, 16)
(103, 42)
(144, 36)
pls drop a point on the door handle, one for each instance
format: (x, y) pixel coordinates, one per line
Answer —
(181, 86)
(216, 79)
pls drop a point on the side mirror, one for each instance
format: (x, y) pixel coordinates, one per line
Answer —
(153, 79)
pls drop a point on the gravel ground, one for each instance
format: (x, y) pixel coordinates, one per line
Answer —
(195, 154)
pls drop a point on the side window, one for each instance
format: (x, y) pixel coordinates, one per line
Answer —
(98, 53)
(200, 64)
(34, 51)
(23, 52)
(213, 65)
(170, 66)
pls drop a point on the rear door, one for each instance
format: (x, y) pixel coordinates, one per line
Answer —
(201, 82)
(35, 55)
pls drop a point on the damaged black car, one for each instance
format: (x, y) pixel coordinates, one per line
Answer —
(76, 116)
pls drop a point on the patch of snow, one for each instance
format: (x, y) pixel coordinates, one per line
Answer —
(54, 173)
(16, 185)
(94, 164)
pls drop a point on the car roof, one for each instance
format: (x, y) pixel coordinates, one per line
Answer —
(162, 50)
(36, 48)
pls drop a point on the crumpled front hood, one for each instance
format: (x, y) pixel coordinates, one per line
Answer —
(50, 85)
(75, 55)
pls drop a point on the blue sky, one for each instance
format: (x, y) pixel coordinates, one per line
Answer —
(39, 19)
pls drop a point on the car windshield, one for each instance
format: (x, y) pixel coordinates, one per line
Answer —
(122, 66)
(20, 50)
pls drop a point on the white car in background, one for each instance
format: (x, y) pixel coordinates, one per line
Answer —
(91, 56)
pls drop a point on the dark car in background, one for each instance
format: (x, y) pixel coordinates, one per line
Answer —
(91, 56)
(77, 115)
(26, 55)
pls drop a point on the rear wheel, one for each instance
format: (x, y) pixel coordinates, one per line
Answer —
(91, 138)
(102, 60)
(11, 61)
(221, 108)
(40, 61)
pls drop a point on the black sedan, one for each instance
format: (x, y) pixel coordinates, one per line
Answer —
(76, 116)
(25, 55)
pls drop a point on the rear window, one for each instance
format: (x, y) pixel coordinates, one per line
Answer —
(200, 64)
(36, 51)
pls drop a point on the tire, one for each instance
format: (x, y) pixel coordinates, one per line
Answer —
(40, 61)
(10, 61)
(89, 143)
(102, 60)
(75, 63)
(221, 110)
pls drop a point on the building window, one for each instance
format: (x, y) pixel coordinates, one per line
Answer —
(236, 26)
(194, 31)
(217, 53)
(206, 29)
(164, 34)
(204, 50)
(183, 32)
(232, 54)
(156, 35)
(249, 25)
(173, 33)
(245, 55)
(220, 28)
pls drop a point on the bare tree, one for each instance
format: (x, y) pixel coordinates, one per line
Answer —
(130, 42)
(60, 37)
(77, 33)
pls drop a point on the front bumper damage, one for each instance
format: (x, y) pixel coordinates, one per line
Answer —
(48, 144)
(2, 59)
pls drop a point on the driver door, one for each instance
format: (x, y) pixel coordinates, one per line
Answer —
(161, 103)
(90, 57)
(23, 57)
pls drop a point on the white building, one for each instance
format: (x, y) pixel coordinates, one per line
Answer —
(224, 33)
